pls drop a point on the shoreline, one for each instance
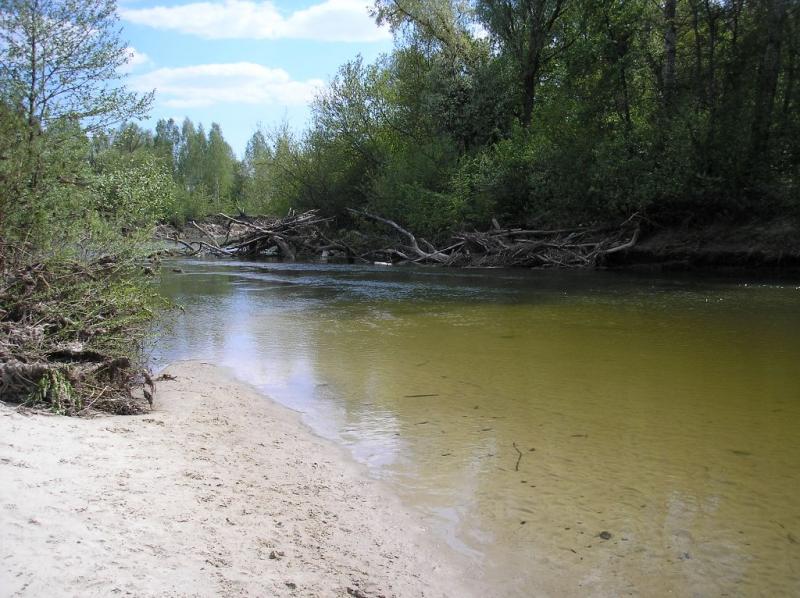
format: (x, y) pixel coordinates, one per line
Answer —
(768, 247)
(218, 491)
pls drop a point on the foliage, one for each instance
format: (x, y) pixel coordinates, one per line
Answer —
(60, 60)
(55, 391)
(257, 174)
(73, 300)
(136, 195)
(553, 112)
(59, 80)
(559, 112)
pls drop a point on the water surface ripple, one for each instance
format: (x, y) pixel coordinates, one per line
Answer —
(570, 433)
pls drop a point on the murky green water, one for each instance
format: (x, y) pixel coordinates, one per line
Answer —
(524, 413)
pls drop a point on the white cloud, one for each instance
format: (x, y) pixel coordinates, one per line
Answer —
(135, 60)
(330, 20)
(233, 83)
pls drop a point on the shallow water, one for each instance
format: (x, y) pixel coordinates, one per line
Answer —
(530, 415)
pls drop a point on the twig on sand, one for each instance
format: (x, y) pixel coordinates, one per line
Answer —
(519, 458)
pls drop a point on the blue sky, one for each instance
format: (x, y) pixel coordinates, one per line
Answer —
(243, 62)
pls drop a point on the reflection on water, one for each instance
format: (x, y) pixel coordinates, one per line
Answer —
(571, 434)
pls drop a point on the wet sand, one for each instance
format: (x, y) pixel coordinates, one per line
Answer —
(217, 492)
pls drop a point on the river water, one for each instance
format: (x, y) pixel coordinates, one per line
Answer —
(569, 434)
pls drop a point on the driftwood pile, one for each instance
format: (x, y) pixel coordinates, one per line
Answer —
(309, 235)
(58, 336)
(289, 237)
(564, 248)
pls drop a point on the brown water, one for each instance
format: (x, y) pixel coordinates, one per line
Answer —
(523, 414)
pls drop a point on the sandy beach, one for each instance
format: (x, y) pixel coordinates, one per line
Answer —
(218, 492)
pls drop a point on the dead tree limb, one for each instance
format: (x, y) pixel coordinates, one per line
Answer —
(308, 234)
(434, 256)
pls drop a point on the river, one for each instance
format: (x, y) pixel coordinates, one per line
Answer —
(568, 433)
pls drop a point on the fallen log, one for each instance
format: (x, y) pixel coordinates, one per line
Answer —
(308, 235)
(431, 256)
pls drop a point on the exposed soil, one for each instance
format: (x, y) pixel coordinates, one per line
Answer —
(774, 246)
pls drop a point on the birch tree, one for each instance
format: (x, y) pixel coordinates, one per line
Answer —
(60, 76)
(61, 59)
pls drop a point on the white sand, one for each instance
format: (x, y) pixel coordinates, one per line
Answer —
(217, 492)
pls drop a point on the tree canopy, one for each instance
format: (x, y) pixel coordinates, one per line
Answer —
(526, 111)
(60, 81)
(559, 111)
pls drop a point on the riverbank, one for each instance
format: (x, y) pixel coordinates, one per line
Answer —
(759, 246)
(216, 492)
(768, 245)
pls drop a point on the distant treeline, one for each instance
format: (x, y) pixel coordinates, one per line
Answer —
(199, 171)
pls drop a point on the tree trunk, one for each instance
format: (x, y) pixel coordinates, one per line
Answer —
(712, 18)
(670, 51)
(788, 92)
(530, 80)
(540, 25)
(33, 96)
(791, 74)
(767, 79)
(701, 99)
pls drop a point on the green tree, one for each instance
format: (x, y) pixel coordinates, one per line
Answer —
(59, 70)
(257, 171)
(220, 168)
(61, 59)
(558, 112)
(530, 34)
(191, 155)
(136, 194)
(167, 140)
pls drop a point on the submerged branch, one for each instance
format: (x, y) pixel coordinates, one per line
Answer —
(519, 457)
